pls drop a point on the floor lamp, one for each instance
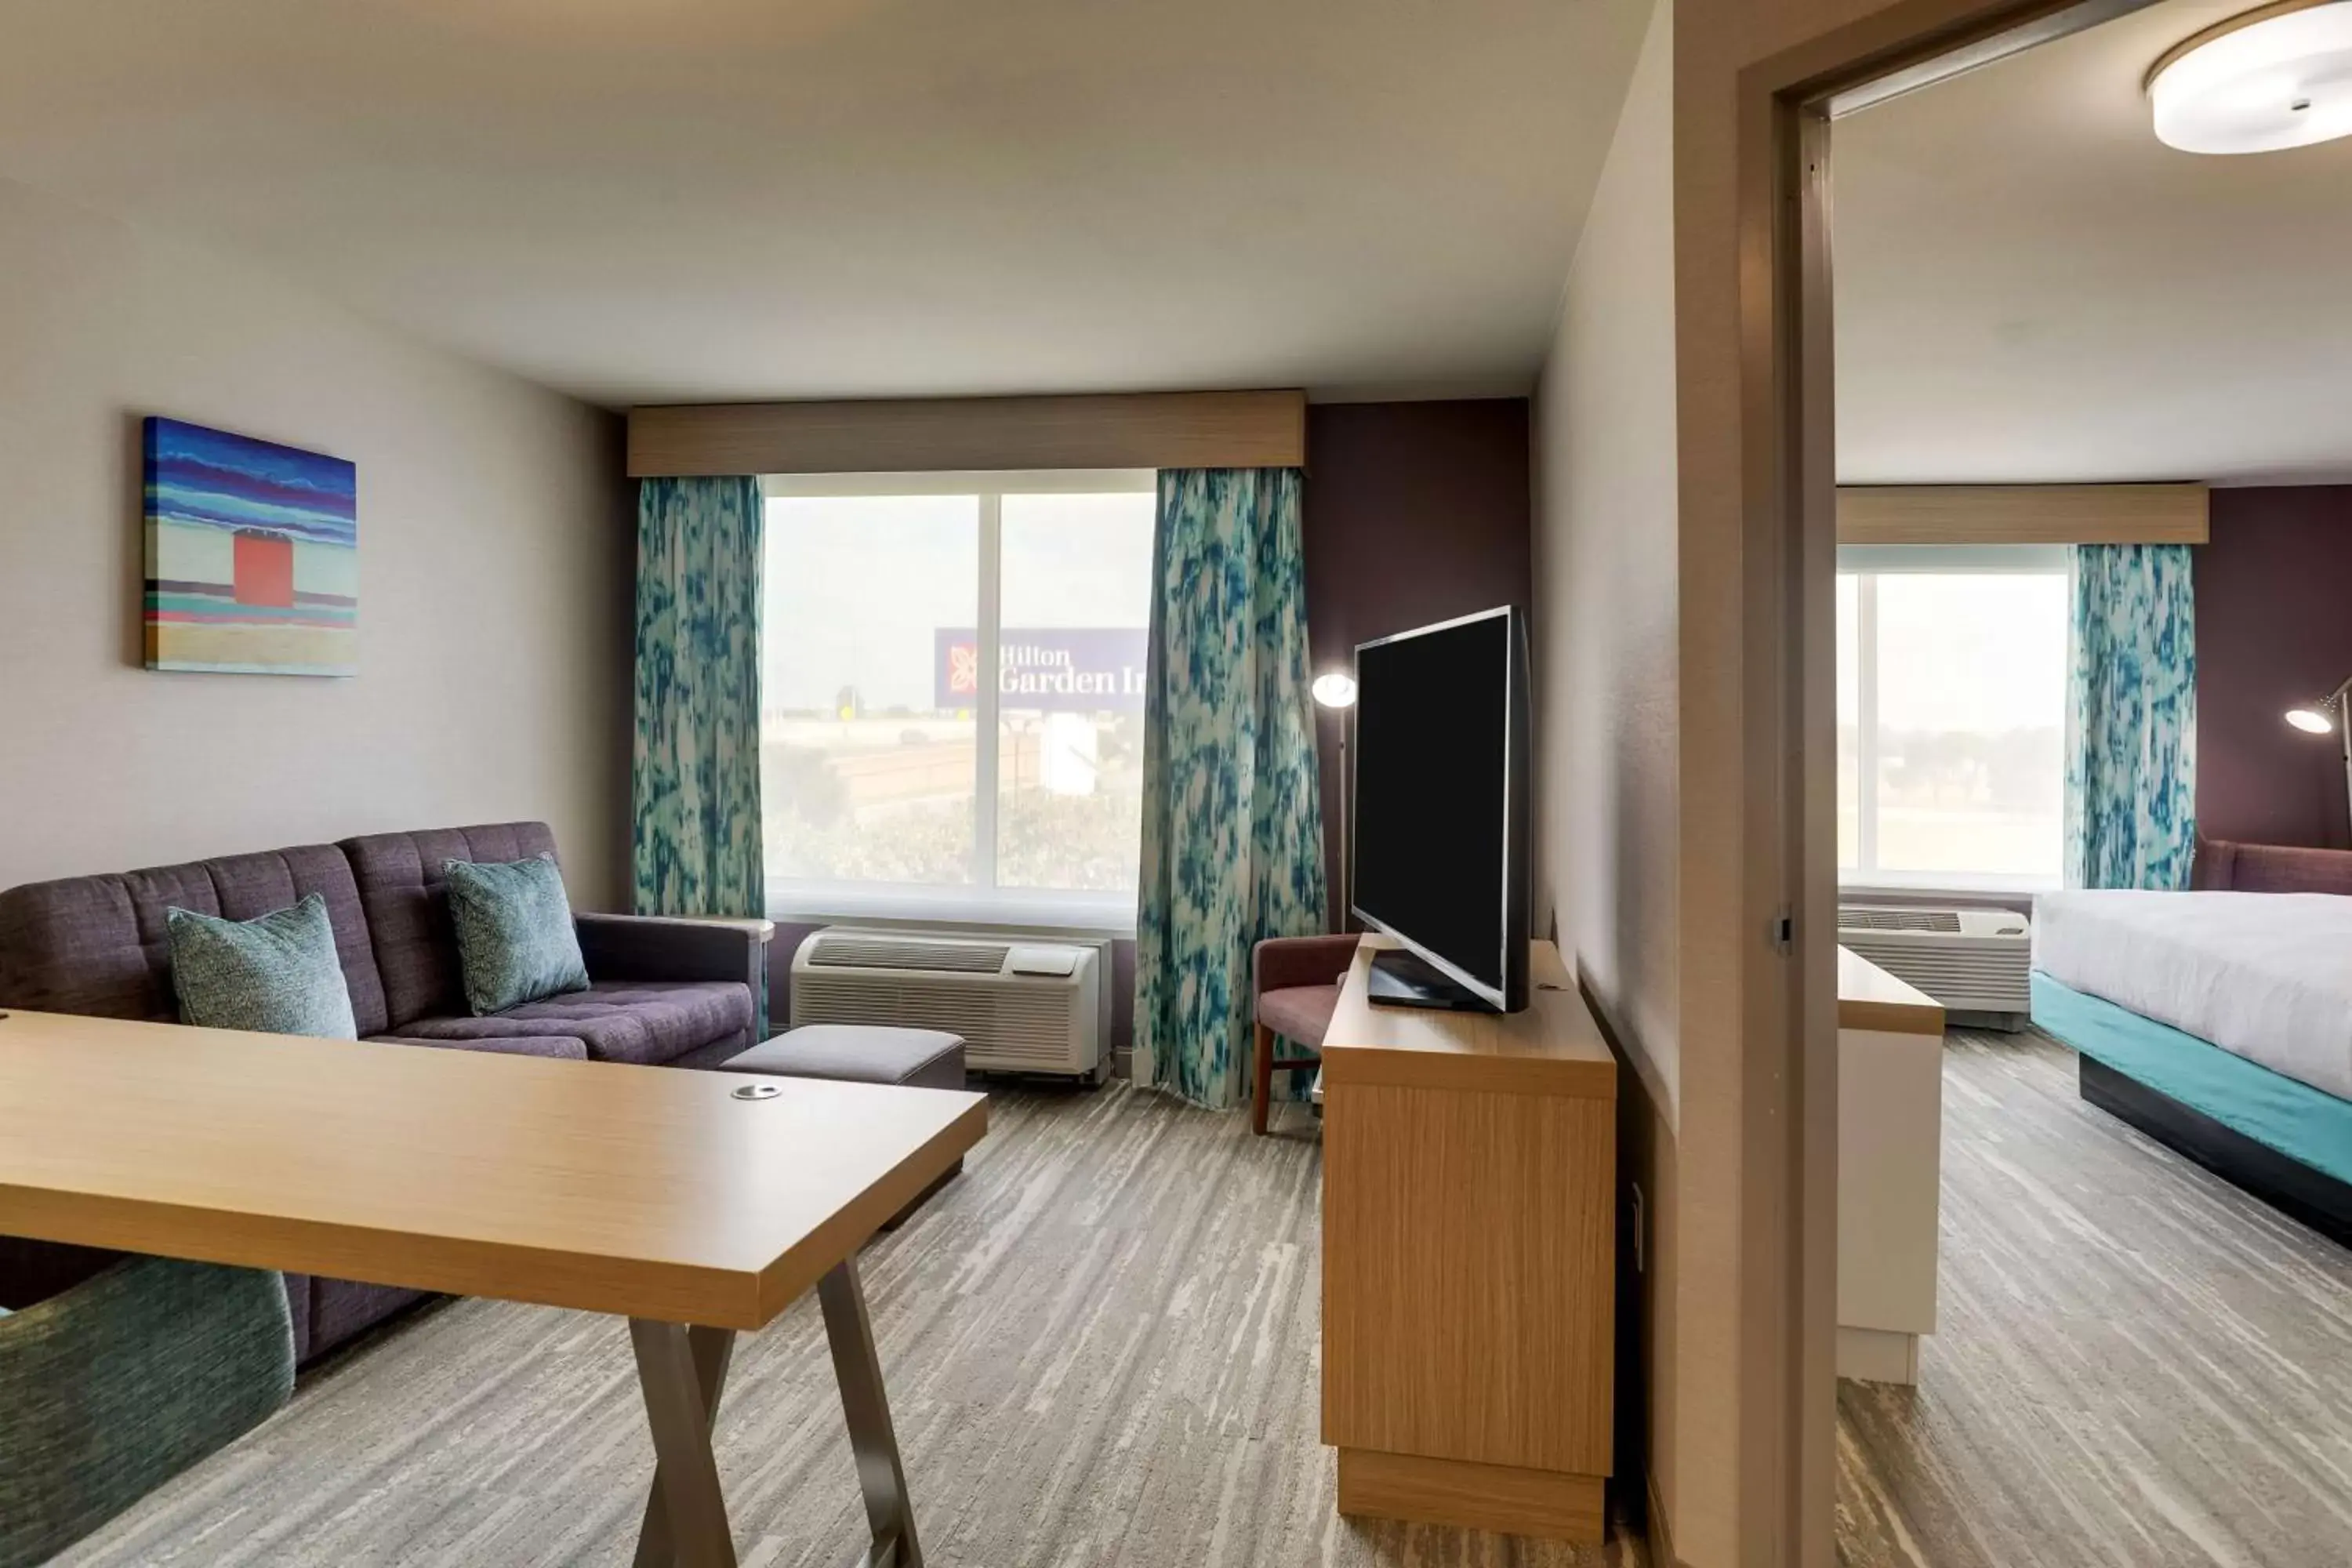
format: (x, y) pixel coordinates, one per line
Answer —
(1337, 690)
(2331, 712)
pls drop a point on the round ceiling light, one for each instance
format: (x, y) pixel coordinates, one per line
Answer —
(2275, 78)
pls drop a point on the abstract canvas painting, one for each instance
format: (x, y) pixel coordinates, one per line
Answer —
(252, 555)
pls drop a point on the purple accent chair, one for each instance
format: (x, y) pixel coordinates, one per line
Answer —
(662, 992)
(1294, 990)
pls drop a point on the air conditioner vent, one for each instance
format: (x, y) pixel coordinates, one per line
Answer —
(1042, 1012)
(884, 952)
(1971, 960)
(1849, 918)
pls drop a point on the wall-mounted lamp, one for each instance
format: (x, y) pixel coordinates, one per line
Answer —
(2331, 713)
(1336, 689)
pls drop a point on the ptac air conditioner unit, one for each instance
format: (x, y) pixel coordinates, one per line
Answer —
(1021, 1004)
(1972, 961)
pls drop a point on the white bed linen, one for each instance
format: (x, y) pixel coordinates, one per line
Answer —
(2265, 975)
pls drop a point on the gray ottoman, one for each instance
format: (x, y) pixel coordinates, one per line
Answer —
(864, 1053)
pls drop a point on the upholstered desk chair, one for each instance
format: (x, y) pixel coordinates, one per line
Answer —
(1294, 989)
(118, 1383)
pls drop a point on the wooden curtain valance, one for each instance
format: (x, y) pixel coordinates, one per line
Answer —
(1140, 430)
(2021, 514)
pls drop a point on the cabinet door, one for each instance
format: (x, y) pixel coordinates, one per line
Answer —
(1468, 1246)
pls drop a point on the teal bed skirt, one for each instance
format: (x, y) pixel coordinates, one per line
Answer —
(2301, 1123)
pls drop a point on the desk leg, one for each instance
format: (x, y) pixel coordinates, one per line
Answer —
(683, 1371)
(880, 1475)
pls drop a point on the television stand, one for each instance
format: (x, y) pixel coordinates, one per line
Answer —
(1470, 1258)
(1400, 979)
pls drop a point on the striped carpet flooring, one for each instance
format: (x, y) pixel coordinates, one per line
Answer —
(2137, 1365)
(1100, 1345)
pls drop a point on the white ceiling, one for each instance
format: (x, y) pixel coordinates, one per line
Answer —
(2030, 287)
(649, 200)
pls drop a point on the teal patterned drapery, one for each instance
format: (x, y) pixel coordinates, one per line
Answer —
(695, 769)
(1233, 827)
(2131, 718)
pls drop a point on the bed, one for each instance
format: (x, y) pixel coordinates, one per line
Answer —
(2219, 1021)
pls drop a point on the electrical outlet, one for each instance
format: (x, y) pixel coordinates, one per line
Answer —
(1641, 1238)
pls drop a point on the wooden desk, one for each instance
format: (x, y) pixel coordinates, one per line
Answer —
(649, 1193)
(1890, 1170)
(1469, 1250)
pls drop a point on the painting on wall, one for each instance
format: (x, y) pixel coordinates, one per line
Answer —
(252, 555)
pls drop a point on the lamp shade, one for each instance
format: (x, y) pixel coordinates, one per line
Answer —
(2311, 718)
(2271, 80)
(1336, 690)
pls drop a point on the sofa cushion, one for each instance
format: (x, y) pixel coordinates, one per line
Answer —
(515, 940)
(402, 889)
(97, 945)
(562, 1047)
(276, 973)
(648, 1022)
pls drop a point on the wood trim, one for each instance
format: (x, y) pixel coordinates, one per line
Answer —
(1658, 1530)
(1758, 527)
(1870, 998)
(1552, 1504)
(1140, 430)
(2022, 514)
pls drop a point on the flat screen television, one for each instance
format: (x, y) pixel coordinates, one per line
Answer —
(1440, 818)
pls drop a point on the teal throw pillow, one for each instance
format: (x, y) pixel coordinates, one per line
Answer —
(277, 973)
(515, 940)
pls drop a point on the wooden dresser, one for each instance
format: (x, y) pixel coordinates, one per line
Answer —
(1469, 1246)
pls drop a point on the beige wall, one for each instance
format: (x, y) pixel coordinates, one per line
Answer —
(1605, 601)
(1605, 543)
(494, 557)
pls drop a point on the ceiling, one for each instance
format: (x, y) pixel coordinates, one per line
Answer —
(2032, 287)
(684, 200)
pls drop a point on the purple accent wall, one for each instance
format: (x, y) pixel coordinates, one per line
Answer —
(1413, 512)
(2274, 627)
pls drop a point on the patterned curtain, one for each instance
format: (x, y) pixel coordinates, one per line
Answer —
(1233, 827)
(695, 769)
(2131, 718)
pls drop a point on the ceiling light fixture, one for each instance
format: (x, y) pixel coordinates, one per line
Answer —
(2277, 76)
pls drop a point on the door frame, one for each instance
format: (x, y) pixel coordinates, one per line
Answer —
(1787, 103)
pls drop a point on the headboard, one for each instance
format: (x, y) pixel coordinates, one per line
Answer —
(2221, 866)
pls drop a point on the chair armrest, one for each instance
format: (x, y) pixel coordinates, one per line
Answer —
(675, 947)
(1280, 962)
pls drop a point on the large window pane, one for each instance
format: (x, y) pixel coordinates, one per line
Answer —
(1849, 720)
(1971, 682)
(868, 767)
(1077, 597)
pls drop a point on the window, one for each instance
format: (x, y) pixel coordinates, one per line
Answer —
(953, 723)
(1951, 715)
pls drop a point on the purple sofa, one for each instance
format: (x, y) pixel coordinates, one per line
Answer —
(663, 991)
